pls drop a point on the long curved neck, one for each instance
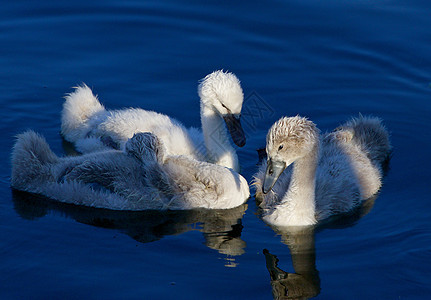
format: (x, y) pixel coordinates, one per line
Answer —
(219, 149)
(300, 197)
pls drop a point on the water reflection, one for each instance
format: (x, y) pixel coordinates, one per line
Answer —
(221, 228)
(304, 282)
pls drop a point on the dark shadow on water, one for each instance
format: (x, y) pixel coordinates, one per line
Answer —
(221, 228)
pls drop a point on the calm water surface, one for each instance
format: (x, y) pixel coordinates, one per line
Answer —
(327, 60)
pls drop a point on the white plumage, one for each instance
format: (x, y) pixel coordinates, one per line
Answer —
(140, 177)
(85, 122)
(330, 174)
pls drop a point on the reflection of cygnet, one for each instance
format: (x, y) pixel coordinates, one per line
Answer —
(84, 120)
(221, 228)
(139, 178)
(225, 243)
(330, 174)
(304, 283)
(224, 232)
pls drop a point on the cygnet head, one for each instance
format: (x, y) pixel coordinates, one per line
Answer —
(221, 91)
(145, 146)
(287, 140)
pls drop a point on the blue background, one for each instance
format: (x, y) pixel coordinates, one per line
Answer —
(327, 60)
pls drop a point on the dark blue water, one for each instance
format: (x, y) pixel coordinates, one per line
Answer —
(327, 60)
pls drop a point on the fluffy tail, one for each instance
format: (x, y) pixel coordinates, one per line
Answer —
(31, 157)
(373, 138)
(79, 107)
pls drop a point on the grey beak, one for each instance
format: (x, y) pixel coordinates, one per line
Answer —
(233, 124)
(273, 171)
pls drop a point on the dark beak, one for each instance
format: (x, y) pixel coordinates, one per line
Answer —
(233, 124)
(273, 171)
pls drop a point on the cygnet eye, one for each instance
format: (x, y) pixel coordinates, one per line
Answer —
(280, 147)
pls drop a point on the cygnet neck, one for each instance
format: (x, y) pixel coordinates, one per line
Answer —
(219, 149)
(300, 196)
